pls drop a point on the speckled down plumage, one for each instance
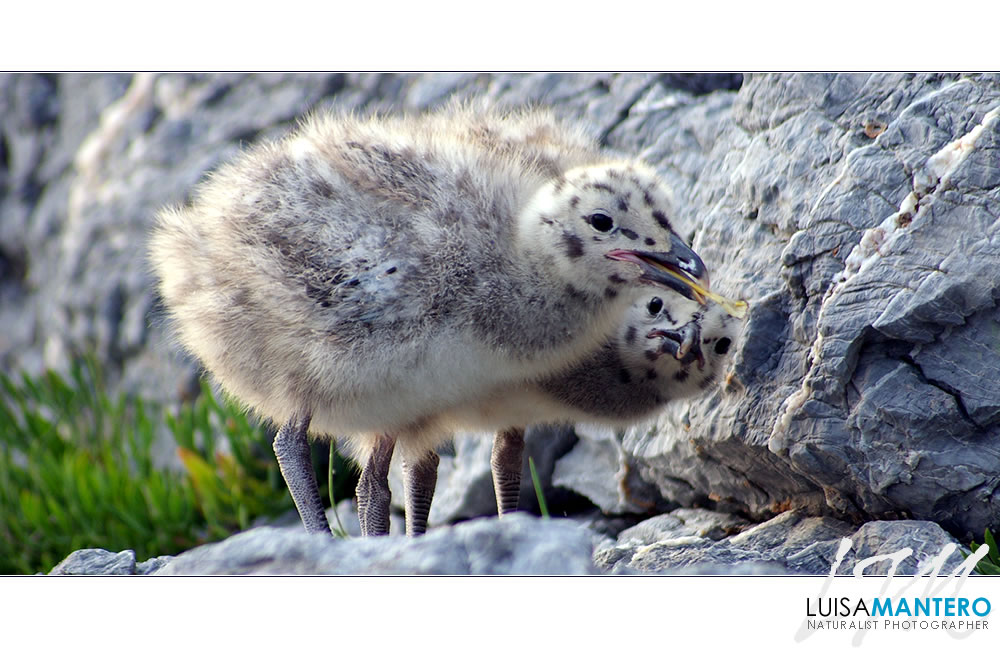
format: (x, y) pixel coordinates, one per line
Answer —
(379, 272)
(634, 375)
(395, 280)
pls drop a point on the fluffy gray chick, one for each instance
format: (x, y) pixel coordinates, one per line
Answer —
(364, 277)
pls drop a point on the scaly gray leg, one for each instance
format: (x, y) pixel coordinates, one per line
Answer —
(508, 449)
(373, 489)
(419, 481)
(291, 447)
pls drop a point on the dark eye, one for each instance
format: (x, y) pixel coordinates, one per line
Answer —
(654, 306)
(601, 222)
(722, 345)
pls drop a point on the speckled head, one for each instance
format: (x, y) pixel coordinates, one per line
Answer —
(608, 226)
(664, 351)
(681, 348)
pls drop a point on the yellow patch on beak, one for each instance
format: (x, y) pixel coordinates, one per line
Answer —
(735, 308)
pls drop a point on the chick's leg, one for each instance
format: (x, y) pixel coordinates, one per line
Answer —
(373, 488)
(291, 447)
(506, 460)
(419, 481)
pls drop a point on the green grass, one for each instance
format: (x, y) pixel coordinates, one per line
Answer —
(77, 471)
(542, 505)
(332, 477)
(990, 563)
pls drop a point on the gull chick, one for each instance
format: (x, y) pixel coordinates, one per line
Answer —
(662, 354)
(667, 349)
(364, 277)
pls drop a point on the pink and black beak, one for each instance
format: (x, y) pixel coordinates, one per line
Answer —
(680, 259)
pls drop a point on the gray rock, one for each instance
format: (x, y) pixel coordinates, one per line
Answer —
(793, 535)
(688, 542)
(591, 469)
(684, 523)
(152, 565)
(465, 482)
(605, 529)
(685, 541)
(346, 515)
(45, 120)
(598, 468)
(677, 540)
(98, 562)
(342, 519)
(925, 538)
(859, 382)
(520, 544)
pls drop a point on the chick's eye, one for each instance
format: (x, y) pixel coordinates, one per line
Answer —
(601, 222)
(654, 306)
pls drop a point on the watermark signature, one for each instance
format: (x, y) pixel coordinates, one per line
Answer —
(930, 572)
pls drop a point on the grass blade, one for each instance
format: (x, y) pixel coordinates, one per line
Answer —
(542, 506)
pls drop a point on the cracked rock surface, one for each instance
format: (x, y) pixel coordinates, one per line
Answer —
(695, 541)
(865, 383)
(857, 213)
(867, 422)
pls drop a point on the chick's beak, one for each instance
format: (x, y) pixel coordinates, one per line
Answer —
(679, 269)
